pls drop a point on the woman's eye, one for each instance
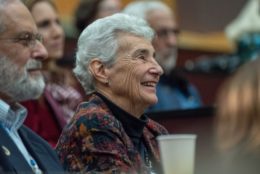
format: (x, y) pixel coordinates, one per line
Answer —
(141, 57)
(44, 24)
(58, 21)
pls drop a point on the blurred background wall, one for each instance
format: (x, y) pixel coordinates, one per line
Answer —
(202, 21)
(207, 15)
(67, 7)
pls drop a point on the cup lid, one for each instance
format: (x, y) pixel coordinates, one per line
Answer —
(176, 136)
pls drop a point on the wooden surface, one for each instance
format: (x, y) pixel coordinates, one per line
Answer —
(208, 42)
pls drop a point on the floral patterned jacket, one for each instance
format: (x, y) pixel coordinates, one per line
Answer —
(95, 141)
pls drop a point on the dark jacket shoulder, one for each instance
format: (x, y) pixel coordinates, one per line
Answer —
(43, 153)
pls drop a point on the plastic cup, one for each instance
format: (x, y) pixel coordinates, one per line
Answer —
(177, 153)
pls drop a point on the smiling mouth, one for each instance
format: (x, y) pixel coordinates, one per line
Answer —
(149, 84)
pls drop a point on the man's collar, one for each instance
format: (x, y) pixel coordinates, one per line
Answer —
(12, 117)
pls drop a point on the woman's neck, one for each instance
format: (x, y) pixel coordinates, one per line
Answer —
(133, 109)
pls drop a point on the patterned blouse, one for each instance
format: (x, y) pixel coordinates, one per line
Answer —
(96, 141)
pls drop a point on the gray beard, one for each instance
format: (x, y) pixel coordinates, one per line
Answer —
(167, 63)
(17, 85)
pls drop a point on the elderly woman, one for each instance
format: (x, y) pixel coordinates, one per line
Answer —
(109, 133)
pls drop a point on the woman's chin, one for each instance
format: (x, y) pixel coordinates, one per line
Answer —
(152, 101)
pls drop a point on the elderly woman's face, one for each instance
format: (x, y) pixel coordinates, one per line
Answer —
(133, 77)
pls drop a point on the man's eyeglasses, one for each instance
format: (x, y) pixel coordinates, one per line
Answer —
(27, 39)
(166, 32)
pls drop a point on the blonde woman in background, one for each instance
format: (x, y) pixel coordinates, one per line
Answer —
(58, 103)
(238, 121)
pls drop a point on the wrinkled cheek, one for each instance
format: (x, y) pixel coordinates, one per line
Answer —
(131, 86)
(135, 92)
(127, 85)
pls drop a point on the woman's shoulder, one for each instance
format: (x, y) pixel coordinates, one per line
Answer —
(155, 127)
(92, 108)
(95, 114)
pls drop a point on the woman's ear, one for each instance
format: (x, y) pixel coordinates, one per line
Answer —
(97, 69)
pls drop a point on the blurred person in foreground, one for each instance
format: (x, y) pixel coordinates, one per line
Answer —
(21, 56)
(53, 110)
(110, 133)
(238, 121)
(173, 90)
(88, 11)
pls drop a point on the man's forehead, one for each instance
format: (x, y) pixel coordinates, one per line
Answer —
(17, 18)
(158, 17)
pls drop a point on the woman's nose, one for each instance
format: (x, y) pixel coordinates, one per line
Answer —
(157, 68)
(57, 30)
